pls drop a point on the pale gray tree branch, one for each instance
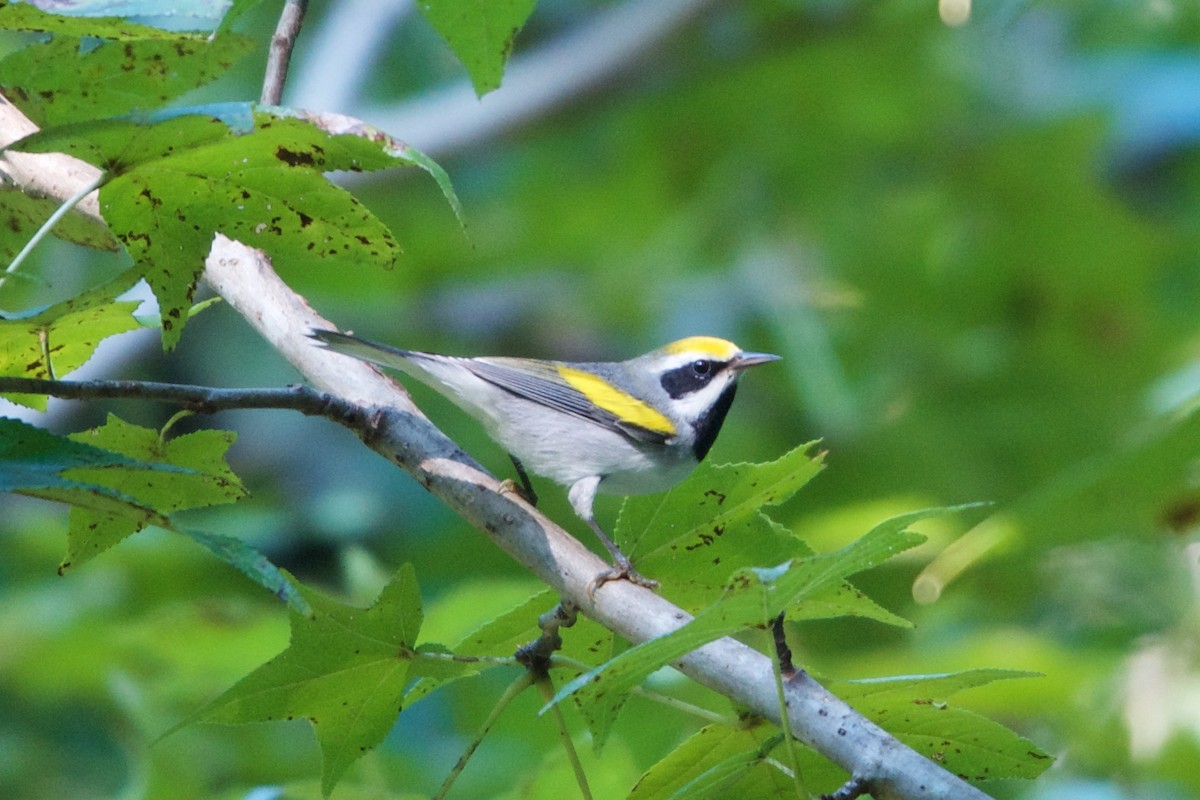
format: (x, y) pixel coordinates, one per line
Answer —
(280, 55)
(244, 277)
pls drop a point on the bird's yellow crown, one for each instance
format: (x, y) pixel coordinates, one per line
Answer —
(720, 349)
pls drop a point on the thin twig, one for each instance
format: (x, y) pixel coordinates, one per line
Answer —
(200, 399)
(281, 50)
(783, 653)
(783, 671)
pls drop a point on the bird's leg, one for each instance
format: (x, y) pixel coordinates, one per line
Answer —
(526, 488)
(582, 495)
(622, 568)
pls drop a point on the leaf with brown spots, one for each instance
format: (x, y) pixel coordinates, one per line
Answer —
(59, 80)
(37, 463)
(694, 536)
(914, 708)
(202, 479)
(55, 340)
(27, 17)
(711, 499)
(22, 215)
(256, 175)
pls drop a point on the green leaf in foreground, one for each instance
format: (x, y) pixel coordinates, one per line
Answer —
(753, 598)
(27, 17)
(696, 536)
(915, 711)
(37, 463)
(203, 479)
(53, 341)
(95, 482)
(22, 215)
(32, 459)
(344, 671)
(717, 757)
(253, 565)
(252, 173)
(692, 515)
(480, 32)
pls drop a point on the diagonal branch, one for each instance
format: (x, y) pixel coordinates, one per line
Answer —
(399, 431)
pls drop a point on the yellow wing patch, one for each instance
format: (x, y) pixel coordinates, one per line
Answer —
(625, 407)
(707, 345)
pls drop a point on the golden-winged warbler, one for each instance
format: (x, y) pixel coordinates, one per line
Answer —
(621, 427)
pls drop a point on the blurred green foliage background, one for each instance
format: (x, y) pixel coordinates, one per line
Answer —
(976, 249)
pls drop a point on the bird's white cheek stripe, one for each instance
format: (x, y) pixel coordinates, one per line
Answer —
(692, 406)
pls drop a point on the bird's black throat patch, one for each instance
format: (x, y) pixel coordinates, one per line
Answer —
(709, 424)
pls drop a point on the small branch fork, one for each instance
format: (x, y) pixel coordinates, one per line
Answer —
(536, 654)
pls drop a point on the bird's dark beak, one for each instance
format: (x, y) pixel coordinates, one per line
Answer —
(752, 359)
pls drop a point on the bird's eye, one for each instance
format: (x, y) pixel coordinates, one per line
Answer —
(702, 367)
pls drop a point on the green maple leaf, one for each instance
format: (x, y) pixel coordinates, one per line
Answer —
(344, 671)
(203, 479)
(480, 32)
(753, 597)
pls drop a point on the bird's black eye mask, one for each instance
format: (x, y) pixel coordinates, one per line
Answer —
(691, 377)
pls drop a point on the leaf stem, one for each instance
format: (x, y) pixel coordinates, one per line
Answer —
(784, 670)
(50, 222)
(546, 687)
(523, 681)
(566, 662)
(686, 707)
(499, 661)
